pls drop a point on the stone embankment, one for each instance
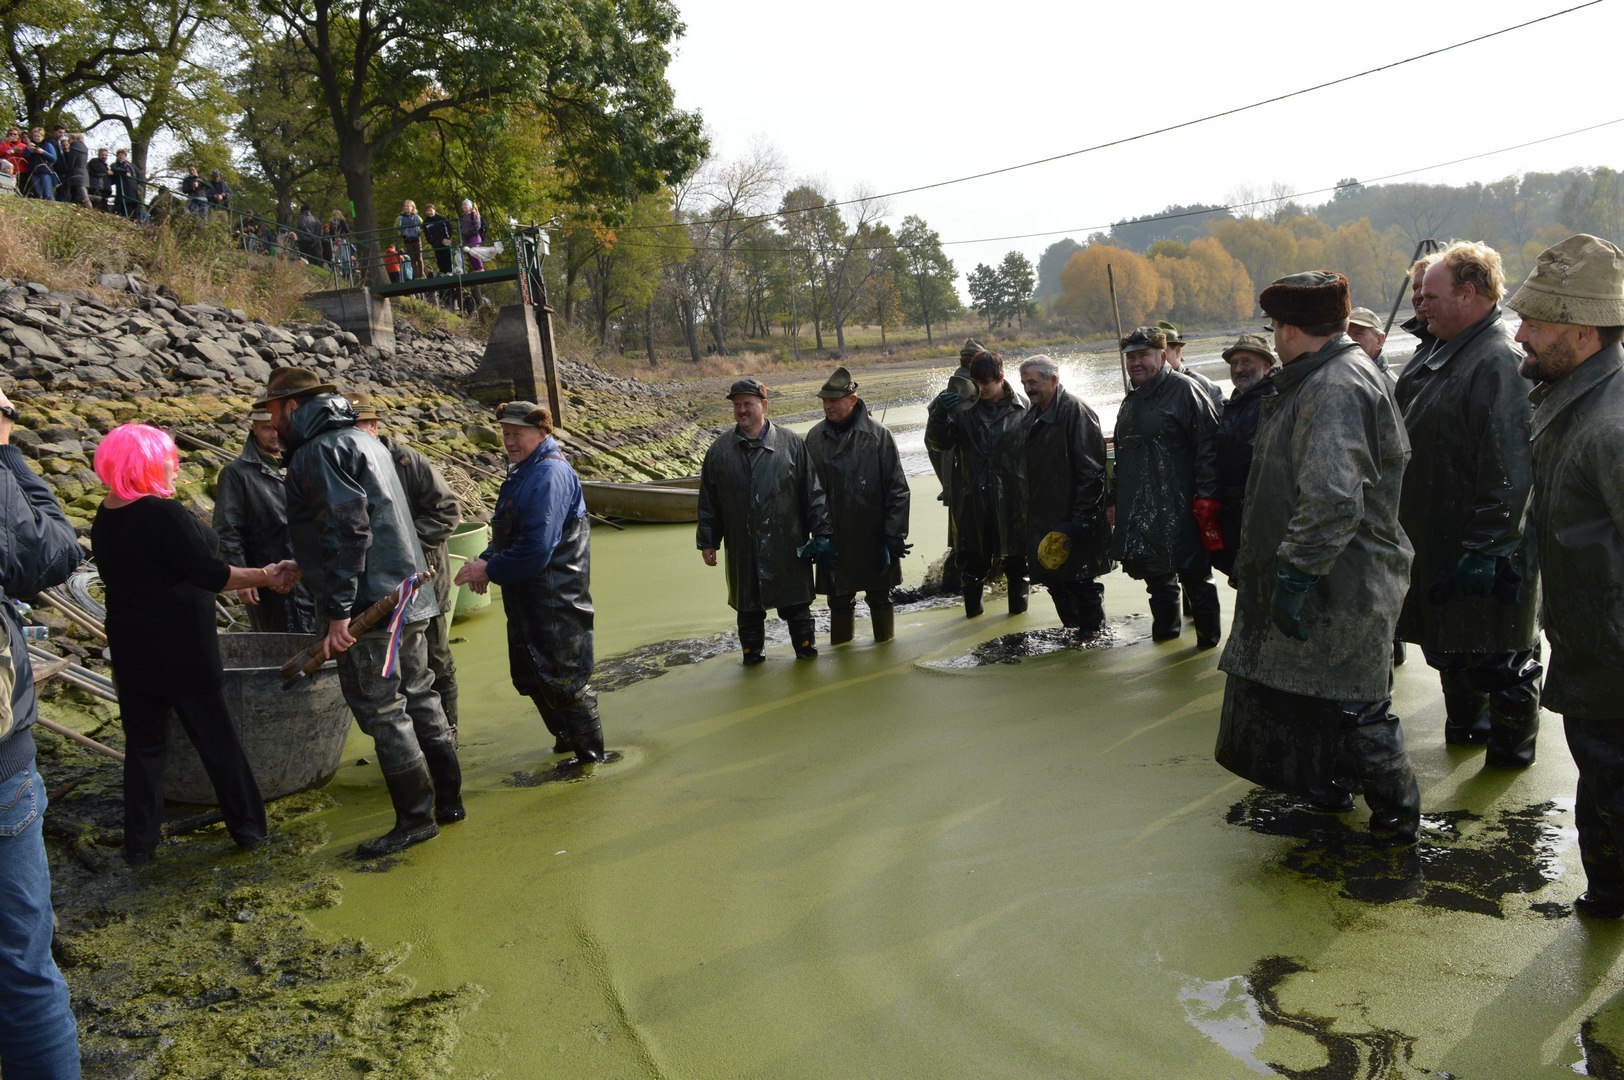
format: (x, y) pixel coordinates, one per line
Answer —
(82, 362)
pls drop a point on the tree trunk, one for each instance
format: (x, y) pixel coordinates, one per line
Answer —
(648, 332)
(355, 162)
(689, 331)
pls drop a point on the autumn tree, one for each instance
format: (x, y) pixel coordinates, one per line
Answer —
(1085, 290)
(1267, 250)
(1205, 282)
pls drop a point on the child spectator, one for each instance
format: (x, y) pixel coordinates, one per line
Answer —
(391, 262)
(8, 182)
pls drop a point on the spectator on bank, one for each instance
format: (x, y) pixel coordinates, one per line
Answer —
(309, 229)
(471, 227)
(76, 171)
(391, 262)
(437, 231)
(41, 155)
(15, 150)
(99, 169)
(339, 230)
(218, 191)
(126, 186)
(8, 181)
(191, 186)
(411, 235)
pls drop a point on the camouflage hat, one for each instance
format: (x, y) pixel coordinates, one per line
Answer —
(1143, 339)
(1252, 343)
(519, 414)
(289, 382)
(969, 393)
(971, 348)
(1579, 281)
(1363, 316)
(1174, 338)
(839, 385)
(362, 406)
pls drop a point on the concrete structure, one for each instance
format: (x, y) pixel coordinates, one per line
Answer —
(368, 317)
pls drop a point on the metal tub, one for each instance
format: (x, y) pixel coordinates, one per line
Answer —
(294, 738)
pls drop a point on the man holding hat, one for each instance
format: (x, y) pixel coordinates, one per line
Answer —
(1164, 493)
(1572, 308)
(1068, 539)
(1473, 585)
(435, 516)
(1251, 374)
(943, 464)
(760, 497)
(857, 464)
(1321, 573)
(540, 554)
(1175, 360)
(352, 533)
(251, 518)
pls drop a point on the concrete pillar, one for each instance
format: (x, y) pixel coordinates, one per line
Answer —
(368, 317)
(516, 365)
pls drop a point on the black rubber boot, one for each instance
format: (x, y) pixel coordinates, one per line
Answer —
(586, 730)
(1375, 743)
(884, 618)
(1513, 726)
(842, 620)
(972, 597)
(1466, 720)
(1020, 592)
(951, 582)
(1165, 624)
(1398, 652)
(448, 705)
(561, 737)
(1208, 630)
(412, 792)
(446, 772)
(803, 635)
(753, 638)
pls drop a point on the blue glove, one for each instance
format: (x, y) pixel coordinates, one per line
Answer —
(1291, 586)
(895, 549)
(944, 403)
(819, 549)
(1475, 574)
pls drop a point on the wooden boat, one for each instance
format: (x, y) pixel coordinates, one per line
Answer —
(671, 502)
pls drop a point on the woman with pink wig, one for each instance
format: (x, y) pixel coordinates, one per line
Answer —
(161, 570)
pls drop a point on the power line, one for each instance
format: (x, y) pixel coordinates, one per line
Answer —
(1173, 216)
(1161, 130)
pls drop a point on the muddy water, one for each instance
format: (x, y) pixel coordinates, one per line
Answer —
(977, 850)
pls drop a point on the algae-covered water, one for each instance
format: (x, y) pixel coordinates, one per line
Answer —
(977, 850)
(973, 851)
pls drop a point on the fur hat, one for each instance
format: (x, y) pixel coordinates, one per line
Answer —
(1314, 298)
(1143, 339)
(1579, 281)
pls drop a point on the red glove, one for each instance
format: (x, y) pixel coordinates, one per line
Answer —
(1206, 519)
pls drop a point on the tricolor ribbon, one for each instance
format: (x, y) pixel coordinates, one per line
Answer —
(404, 595)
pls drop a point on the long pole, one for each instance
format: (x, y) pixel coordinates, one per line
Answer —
(1122, 357)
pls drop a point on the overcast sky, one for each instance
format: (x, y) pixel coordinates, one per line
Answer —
(888, 95)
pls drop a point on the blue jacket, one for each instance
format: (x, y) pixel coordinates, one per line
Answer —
(539, 498)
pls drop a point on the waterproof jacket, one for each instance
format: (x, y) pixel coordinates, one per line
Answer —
(1237, 431)
(986, 449)
(1578, 523)
(1322, 496)
(867, 495)
(1466, 489)
(37, 550)
(349, 519)
(434, 510)
(76, 169)
(251, 520)
(759, 502)
(1214, 392)
(1165, 458)
(541, 556)
(1065, 485)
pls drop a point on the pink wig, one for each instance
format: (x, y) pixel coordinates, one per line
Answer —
(133, 461)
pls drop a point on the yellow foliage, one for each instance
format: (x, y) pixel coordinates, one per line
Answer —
(1207, 284)
(1085, 292)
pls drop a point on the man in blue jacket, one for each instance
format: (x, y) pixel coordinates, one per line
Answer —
(540, 556)
(38, 1037)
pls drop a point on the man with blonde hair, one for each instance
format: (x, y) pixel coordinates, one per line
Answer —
(1473, 585)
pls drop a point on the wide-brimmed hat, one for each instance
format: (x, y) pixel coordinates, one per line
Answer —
(969, 393)
(362, 405)
(518, 413)
(1313, 298)
(1144, 338)
(1579, 281)
(1252, 343)
(287, 382)
(750, 388)
(839, 385)
(1174, 338)
(1363, 316)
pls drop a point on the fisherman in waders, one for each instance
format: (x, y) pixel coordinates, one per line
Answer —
(760, 498)
(1572, 308)
(1474, 586)
(1321, 575)
(866, 491)
(352, 533)
(943, 464)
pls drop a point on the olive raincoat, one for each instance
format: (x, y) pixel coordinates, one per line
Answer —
(434, 510)
(867, 495)
(988, 484)
(1323, 497)
(1578, 521)
(1466, 489)
(759, 503)
(1166, 457)
(1065, 485)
